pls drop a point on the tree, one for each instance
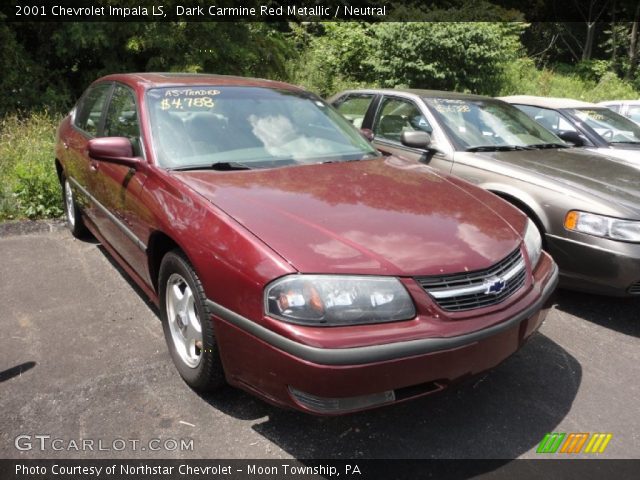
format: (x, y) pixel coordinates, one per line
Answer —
(447, 56)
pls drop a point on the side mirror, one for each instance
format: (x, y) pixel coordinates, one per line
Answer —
(114, 150)
(416, 139)
(571, 137)
(367, 133)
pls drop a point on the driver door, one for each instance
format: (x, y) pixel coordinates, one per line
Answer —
(397, 115)
(122, 218)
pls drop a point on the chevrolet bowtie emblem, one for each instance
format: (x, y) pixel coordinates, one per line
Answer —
(494, 286)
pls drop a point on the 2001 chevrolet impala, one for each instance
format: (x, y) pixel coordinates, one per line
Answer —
(286, 255)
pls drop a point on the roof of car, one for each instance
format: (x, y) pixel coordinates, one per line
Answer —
(547, 102)
(629, 102)
(423, 93)
(170, 79)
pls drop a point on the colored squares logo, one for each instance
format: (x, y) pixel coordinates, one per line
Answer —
(574, 443)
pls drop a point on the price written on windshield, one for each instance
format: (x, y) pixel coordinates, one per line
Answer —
(594, 115)
(455, 108)
(186, 103)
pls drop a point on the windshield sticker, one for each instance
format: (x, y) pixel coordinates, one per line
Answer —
(594, 115)
(191, 92)
(451, 106)
(188, 99)
(188, 103)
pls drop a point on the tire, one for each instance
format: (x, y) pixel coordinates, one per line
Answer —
(187, 324)
(72, 212)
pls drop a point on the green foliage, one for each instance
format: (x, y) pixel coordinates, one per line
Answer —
(29, 183)
(332, 59)
(523, 78)
(48, 65)
(610, 87)
(593, 69)
(445, 56)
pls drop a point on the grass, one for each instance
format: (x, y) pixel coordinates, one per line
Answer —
(523, 78)
(29, 185)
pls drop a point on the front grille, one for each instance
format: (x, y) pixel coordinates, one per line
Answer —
(635, 289)
(469, 290)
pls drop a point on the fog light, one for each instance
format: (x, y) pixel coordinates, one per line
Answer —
(344, 404)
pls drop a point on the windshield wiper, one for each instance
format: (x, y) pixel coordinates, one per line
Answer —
(497, 148)
(220, 166)
(366, 156)
(548, 145)
(224, 166)
(632, 142)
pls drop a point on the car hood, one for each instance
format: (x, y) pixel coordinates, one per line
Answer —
(613, 181)
(630, 156)
(384, 216)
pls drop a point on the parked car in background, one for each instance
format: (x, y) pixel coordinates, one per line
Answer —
(628, 108)
(586, 206)
(583, 124)
(285, 253)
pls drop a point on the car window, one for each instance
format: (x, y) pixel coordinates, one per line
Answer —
(89, 109)
(257, 127)
(474, 123)
(397, 116)
(614, 128)
(633, 112)
(354, 108)
(122, 117)
(550, 119)
(613, 106)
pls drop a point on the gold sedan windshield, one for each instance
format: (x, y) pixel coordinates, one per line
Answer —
(488, 124)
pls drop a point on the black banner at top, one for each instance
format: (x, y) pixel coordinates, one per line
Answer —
(319, 10)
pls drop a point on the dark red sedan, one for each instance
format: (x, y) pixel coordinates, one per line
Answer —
(285, 254)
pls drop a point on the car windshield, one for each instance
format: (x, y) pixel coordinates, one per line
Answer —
(614, 128)
(248, 127)
(490, 125)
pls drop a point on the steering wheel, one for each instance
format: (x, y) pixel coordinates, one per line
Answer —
(607, 135)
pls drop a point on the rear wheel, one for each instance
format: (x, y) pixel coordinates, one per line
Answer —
(187, 324)
(72, 212)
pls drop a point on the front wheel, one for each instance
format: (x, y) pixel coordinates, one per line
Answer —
(72, 212)
(187, 324)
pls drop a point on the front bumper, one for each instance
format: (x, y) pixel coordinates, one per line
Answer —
(279, 369)
(601, 266)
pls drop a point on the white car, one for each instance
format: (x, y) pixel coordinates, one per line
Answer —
(627, 108)
(586, 125)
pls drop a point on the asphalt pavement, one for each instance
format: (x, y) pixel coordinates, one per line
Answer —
(83, 357)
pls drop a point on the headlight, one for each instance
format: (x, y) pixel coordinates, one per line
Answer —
(333, 300)
(602, 226)
(533, 243)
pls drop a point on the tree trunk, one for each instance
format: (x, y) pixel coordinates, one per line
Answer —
(588, 43)
(614, 40)
(633, 49)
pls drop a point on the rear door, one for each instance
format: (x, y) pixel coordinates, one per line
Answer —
(86, 120)
(356, 107)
